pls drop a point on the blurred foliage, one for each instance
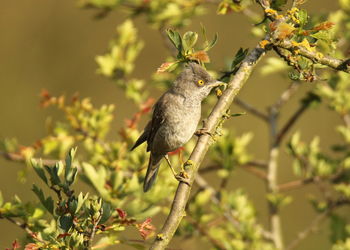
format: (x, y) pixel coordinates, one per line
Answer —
(62, 217)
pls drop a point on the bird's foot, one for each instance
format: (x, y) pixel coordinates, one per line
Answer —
(183, 177)
(203, 131)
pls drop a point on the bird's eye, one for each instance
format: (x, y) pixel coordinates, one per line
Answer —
(200, 82)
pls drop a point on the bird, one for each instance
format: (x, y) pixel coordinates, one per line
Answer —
(175, 117)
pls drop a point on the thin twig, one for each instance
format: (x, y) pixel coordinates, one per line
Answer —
(20, 158)
(286, 95)
(93, 229)
(290, 123)
(24, 226)
(346, 119)
(260, 164)
(255, 171)
(295, 184)
(251, 109)
(246, 167)
(182, 195)
(312, 227)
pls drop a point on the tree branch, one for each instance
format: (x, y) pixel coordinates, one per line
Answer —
(295, 184)
(254, 168)
(290, 123)
(20, 158)
(251, 109)
(286, 95)
(24, 226)
(182, 195)
(272, 171)
(337, 64)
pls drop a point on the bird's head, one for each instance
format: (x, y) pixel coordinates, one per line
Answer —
(195, 81)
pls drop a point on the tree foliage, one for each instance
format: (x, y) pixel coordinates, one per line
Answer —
(308, 49)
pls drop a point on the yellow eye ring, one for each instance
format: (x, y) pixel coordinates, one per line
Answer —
(200, 82)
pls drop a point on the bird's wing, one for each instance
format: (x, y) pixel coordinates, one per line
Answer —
(156, 122)
(143, 137)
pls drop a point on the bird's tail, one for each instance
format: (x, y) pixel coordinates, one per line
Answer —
(152, 171)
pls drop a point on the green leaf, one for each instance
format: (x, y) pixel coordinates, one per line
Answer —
(212, 43)
(294, 75)
(311, 99)
(70, 172)
(303, 17)
(238, 114)
(203, 197)
(175, 38)
(239, 57)
(273, 65)
(106, 212)
(55, 172)
(65, 222)
(189, 40)
(322, 35)
(81, 201)
(97, 178)
(279, 199)
(343, 188)
(338, 228)
(39, 169)
(72, 205)
(222, 8)
(303, 63)
(47, 203)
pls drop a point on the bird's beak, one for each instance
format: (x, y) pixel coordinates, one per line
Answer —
(217, 84)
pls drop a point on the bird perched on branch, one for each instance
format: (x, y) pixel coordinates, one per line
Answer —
(175, 117)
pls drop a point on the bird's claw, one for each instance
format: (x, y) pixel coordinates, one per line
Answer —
(203, 131)
(182, 177)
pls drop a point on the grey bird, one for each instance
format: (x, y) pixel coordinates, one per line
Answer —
(175, 117)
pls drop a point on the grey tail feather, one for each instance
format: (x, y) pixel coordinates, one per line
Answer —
(152, 171)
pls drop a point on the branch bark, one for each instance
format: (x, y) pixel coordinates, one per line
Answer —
(272, 171)
(177, 210)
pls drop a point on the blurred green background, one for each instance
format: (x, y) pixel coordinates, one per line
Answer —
(52, 44)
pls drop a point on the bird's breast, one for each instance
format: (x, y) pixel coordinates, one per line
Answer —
(180, 124)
